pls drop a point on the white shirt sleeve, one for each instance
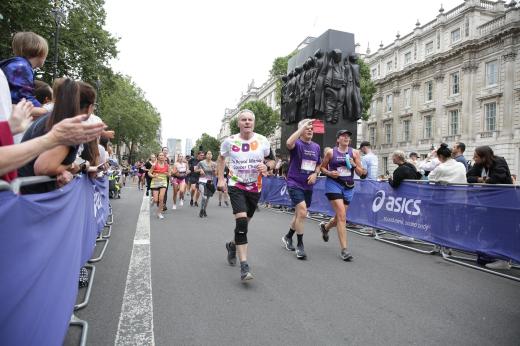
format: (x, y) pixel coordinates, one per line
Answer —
(225, 147)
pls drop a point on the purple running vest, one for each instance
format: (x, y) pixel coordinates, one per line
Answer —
(337, 163)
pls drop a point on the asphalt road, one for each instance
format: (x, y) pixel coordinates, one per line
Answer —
(386, 296)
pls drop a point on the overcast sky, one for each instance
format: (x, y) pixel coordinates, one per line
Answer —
(193, 59)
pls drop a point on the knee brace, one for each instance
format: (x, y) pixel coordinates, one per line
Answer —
(241, 231)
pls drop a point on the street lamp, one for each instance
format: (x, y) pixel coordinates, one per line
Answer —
(58, 15)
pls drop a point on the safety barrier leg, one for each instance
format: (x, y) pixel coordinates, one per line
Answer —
(100, 239)
(364, 231)
(75, 321)
(448, 256)
(393, 239)
(89, 287)
(108, 233)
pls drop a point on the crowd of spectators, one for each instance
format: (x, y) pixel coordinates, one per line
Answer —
(43, 130)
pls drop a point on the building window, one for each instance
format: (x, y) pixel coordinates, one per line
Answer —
(389, 66)
(491, 116)
(374, 73)
(455, 35)
(408, 58)
(389, 103)
(428, 49)
(455, 83)
(407, 98)
(428, 95)
(492, 73)
(388, 133)
(454, 122)
(406, 130)
(385, 165)
(374, 107)
(428, 127)
(372, 135)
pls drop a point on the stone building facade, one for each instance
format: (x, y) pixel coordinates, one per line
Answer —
(456, 78)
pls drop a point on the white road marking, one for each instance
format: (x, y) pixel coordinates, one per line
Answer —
(136, 319)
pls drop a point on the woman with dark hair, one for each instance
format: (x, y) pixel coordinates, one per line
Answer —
(488, 168)
(59, 161)
(87, 101)
(449, 170)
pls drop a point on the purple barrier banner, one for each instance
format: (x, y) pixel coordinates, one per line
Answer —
(477, 218)
(274, 191)
(44, 241)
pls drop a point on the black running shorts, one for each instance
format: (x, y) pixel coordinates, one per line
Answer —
(243, 201)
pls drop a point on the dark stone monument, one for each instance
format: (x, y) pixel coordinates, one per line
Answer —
(321, 84)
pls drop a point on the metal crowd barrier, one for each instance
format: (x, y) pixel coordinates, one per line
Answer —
(423, 247)
(15, 187)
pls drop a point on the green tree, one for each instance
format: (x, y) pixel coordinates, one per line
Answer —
(207, 142)
(84, 46)
(279, 69)
(367, 87)
(266, 119)
(124, 108)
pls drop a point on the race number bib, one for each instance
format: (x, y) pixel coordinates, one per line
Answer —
(248, 175)
(182, 169)
(344, 172)
(203, 180)
(308, 165)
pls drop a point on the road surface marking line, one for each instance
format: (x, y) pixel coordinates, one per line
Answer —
(136, 318)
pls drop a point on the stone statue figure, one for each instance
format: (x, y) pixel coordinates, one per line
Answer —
(357, 100)
(305, 91)
(291, 98)
(334, 87)
(284, 99)
(349, 88)
(310, 80)
(321, 63)
(299, 91)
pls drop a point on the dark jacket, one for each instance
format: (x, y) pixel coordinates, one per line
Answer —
(404, 171)
(498, 173)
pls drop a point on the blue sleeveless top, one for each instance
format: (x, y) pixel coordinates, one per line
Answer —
(338, 163)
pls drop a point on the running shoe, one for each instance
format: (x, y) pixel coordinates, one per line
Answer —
(201, 213)
(164, 208)
(345, 255)
(205, 215)
(226, 203)
(324, 232)
(220, 204)
(231, 253)
(181, 203)
(196, 204)
(300, 252)
(191, 203)
(245, 274)
(287, 243)
(160, 216)
(174, 206)
(147, 192)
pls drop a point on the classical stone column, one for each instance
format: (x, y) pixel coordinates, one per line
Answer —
(469, 68)
(439, 109)
(509, 71)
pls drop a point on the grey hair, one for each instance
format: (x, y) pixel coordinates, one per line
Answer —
(302, 122)
(400, 154)
(244, 111)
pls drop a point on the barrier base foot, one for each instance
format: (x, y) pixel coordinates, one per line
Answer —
(470, 262)
(102, 253)
(75, 321)
(407, 243)
(108, 233)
